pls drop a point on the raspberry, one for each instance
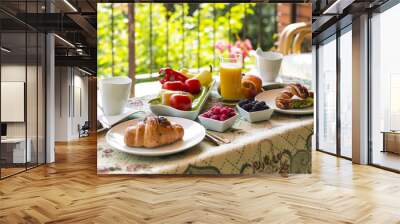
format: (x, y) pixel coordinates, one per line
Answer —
(216, 110)
(207, 115)
(224, 117)
(230, 109)
(225, 110)
(215, 117)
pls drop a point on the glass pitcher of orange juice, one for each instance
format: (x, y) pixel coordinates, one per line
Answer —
(230, 74)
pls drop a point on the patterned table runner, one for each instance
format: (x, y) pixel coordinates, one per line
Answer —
(280, 145)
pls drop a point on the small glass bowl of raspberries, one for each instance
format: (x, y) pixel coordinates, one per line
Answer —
(218, 118)
(254, 111)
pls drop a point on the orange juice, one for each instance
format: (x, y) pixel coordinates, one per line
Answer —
(230, 80)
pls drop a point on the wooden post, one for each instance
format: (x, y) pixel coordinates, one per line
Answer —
(92, 107)
(131, 45)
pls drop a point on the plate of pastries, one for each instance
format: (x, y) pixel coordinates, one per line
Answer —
(294, 99)
(155, 135)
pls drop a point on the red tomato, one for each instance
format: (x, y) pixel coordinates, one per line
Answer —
(193, 85)
(180, 102)
(174, 85)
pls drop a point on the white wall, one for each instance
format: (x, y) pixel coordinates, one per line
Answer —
(34, 125)
(61, 103)
(70, 83)
(14, 73)
(81, 102)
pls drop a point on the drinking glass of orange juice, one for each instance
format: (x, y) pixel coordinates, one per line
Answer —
(230, 74)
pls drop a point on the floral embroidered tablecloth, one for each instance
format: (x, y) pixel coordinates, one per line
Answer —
(280, 145)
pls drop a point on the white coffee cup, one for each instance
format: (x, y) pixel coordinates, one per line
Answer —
(114, 94)
(268, 64)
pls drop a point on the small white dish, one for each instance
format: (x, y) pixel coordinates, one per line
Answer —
(256, 116)
(194, 134)
(215, 125)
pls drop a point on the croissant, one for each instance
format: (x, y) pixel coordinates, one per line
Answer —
(285, 99)
(153, 132)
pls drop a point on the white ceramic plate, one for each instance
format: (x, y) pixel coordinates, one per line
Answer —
(194, 134)
(164, 110)
(269, 98)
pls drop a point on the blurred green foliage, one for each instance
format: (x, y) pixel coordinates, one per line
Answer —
(178, 35)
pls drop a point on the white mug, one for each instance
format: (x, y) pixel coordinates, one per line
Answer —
(114, 94)
(268, 64)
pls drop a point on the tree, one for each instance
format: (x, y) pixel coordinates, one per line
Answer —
(177, 35)
(131, 46)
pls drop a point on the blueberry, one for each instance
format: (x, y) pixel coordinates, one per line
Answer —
(243, 102)
(261, 104)
(247, 107)
(258, 107)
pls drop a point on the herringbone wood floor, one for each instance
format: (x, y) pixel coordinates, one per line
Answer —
(69, 191)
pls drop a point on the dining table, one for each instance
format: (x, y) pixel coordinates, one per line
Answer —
(280, 145)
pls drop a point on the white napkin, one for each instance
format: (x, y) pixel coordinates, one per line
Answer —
(133, 105)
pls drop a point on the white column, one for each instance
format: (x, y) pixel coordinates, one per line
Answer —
(50, 100)
(314, 87)
(360, 90)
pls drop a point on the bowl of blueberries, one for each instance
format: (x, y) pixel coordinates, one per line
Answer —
(254, 111)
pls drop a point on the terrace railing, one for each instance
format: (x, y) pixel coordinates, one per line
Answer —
(179, 35)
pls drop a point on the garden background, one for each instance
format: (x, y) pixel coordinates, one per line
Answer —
(185, 35)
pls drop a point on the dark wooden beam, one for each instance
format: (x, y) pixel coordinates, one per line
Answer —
(89, 62)
(84, 24)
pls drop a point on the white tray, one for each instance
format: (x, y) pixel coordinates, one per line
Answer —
(160, 109)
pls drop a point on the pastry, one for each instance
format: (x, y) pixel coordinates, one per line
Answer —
(153, 132)
(294, 96)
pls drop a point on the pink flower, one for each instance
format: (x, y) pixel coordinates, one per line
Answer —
(220, 46)
(235, 51)
(247, 45)
(239, 47)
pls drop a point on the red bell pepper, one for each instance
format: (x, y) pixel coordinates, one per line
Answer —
(171, 75)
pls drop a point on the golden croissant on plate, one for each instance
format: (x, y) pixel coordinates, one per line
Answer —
(286, 99)
(153, 132)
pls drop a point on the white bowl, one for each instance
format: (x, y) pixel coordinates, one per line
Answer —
(262, 115)
(215, 125)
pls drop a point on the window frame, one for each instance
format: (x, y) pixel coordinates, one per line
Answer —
(27, 29)
(339, 28)
(332, 33)
(378, 10)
